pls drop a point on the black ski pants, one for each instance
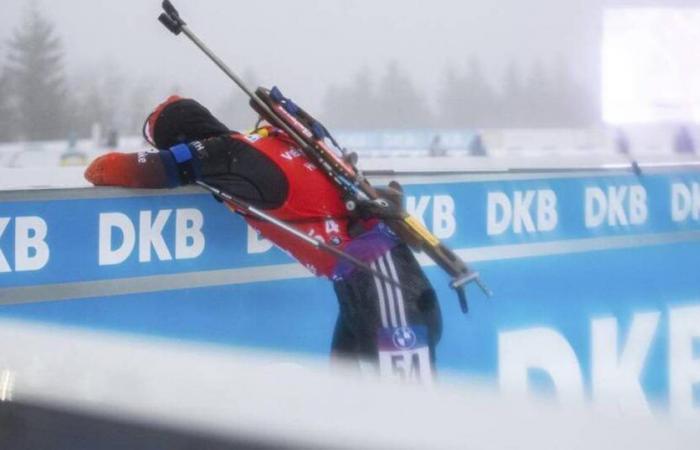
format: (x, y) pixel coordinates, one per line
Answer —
(368, 304)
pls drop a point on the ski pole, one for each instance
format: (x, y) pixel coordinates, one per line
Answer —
(443, 256)
(247, 208)
(171, 19)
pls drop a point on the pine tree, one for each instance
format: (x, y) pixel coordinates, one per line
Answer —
(139, 104)
(100, 100)
(452, 100)
(468, 101)
(35, 70)
(352, 107)
(331, 107)
(360, 102)
(399, 102)
(6, 112)
(564, 92)
(538, 97)
(482, 97)
(564, 102)
(513, 106)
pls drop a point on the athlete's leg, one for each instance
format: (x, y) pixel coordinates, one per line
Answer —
(396, 328)
(344, 345)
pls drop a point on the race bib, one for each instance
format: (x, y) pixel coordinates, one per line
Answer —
(404, 354)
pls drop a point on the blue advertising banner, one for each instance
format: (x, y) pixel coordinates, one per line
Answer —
(595, 276)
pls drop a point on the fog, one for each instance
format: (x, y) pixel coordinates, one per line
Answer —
(307, 46)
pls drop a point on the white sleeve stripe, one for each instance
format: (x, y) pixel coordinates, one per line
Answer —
(380, 297)
(389, 293)
(397, 290)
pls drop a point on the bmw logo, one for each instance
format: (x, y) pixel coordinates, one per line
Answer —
(404, 338)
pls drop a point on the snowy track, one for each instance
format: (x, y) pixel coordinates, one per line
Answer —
(204, 391)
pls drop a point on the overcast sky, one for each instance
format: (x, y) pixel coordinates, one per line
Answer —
(304, 45)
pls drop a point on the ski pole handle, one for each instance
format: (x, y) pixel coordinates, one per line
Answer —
(170, 10)
(170, 18)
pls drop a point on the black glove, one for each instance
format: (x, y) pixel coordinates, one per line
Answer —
(389, 205)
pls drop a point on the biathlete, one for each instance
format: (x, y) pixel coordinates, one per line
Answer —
(395, 329)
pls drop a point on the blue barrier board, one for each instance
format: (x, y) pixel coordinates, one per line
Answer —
(595, 276)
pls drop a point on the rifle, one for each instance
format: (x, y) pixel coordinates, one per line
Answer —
(321, 148)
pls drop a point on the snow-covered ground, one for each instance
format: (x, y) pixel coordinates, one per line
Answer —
(45, 165)
(220, 392)
(57, 177)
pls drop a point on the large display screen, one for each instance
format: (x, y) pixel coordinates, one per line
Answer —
(651, 65)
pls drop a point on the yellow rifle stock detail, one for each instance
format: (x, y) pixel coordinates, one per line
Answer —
(415, 225)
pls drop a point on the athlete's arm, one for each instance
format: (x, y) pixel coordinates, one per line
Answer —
(211, 154)
(227, 163)
(134, 170)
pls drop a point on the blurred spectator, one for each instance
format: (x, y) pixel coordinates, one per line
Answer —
(683, 141)
(622, 143)
(436, 147)
(112, 139)
(72, 142)
(72, 156)
(476, 146)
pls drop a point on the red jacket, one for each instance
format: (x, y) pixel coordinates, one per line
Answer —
(314, 203)
(266, 164)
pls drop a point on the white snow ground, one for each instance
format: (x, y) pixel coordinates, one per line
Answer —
(49, 165)
(232, 394)
(57, 177)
